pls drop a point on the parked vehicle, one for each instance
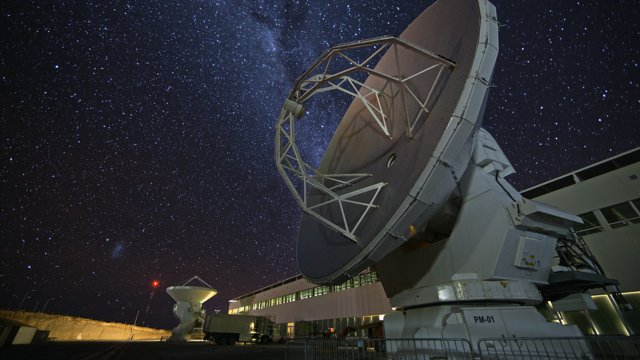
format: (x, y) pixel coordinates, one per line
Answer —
(259, 338)
(228, 329)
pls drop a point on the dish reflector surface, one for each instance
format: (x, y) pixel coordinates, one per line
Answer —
(416, 156)
(192, 294)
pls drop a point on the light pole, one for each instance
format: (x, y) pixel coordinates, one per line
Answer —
(45, 304)
(25, 297)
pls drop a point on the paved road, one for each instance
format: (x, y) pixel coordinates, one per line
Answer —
(148, 351)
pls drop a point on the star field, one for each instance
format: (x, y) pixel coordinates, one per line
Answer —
(137, 137)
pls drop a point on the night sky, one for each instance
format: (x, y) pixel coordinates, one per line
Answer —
(137, 137)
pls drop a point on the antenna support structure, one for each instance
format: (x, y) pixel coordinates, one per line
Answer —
(337, 70)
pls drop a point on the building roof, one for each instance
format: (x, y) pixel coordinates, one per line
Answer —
(626, 158)
(274, 285)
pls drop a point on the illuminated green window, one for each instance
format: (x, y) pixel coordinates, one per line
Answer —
(344, 286)
(305, 294)
(368, 278)
(320, 290)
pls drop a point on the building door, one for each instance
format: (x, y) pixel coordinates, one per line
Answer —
(290, 328)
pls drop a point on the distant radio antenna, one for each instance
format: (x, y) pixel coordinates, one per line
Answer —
(188, 308)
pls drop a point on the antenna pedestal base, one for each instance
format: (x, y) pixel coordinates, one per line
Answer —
(191, 316)
(473, 322)
(467, 288)
(477, 276)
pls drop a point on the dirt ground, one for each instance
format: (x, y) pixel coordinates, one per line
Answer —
(142, 350)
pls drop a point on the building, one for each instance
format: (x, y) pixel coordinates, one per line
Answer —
(606, 195)
(300, 308)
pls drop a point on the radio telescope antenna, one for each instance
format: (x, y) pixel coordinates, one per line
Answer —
(412, 185)
(402, 144)
(188, 308)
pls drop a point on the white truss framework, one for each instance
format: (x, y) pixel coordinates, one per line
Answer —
(319, 78)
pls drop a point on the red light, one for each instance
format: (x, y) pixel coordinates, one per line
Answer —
(155, 283)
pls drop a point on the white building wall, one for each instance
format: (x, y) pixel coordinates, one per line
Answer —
(618, 252)
(597, 193)
(360, 301)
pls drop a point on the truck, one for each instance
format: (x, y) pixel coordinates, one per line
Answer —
(228, 329)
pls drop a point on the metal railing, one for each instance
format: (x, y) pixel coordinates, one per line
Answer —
(525, 348)
(613, 225)
(445, 348)
(379, 349)
(590, 347)
(295, 349)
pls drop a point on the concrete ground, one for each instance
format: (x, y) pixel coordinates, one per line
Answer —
(149, 350)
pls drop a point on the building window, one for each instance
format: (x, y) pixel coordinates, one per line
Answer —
(344, 286)
(621, 215)
(368, 278)
(636, 204)
(320, 290)
(305, 294)
(590, 224)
